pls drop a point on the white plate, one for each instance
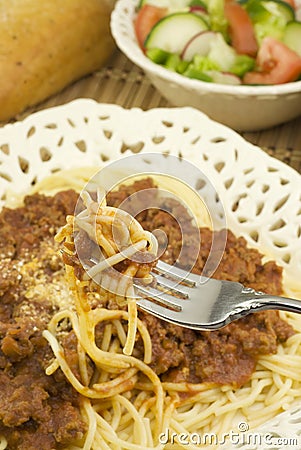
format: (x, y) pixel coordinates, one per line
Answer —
(84, 132)
(260, 194)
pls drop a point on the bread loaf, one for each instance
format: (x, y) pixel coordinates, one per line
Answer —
(47, 44)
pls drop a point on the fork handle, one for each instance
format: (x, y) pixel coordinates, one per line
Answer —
(260, 301)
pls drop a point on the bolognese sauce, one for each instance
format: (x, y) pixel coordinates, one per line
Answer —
(226, 356)
(36, 411)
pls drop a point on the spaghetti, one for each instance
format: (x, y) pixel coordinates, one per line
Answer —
(131, 406)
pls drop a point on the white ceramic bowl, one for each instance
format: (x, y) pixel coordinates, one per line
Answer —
(243, 108)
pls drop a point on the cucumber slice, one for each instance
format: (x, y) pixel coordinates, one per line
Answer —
(174, 31)
(280, 8)
(267, 10)
(292, 36)
(269, 17)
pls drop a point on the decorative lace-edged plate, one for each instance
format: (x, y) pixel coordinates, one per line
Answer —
(261, 195)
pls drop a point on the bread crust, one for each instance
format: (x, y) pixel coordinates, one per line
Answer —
(46, 45)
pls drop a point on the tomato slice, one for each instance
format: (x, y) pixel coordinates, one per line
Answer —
(241, 29)
(146, 18)
(277, 64)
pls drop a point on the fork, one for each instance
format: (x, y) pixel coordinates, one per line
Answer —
(201, 303)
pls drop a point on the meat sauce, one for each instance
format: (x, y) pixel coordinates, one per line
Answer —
(226, 356)
(40, 411)
(36, 411)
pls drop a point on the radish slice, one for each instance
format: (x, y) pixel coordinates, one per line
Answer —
(198, 9)
(199, 44)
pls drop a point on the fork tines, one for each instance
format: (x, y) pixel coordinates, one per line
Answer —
(171, 287)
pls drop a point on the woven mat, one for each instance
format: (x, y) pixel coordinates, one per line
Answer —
(120, 82)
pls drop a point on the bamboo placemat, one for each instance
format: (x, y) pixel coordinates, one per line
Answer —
(121, 82)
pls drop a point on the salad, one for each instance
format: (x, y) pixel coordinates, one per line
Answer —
(254, 42)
